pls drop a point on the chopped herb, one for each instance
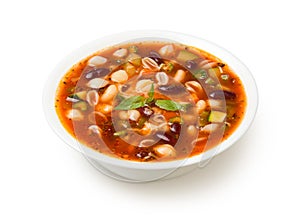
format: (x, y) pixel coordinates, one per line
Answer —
(168, 68)
(131, 103)
(210, 81)
(133, 49)
(200, 74)
(170, 105)
(150, 94)
(225, 77)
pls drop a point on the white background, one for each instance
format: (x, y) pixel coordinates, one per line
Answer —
(41, 176)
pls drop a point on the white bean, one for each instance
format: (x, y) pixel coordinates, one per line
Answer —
(180, 75)
(119, 76)
(134, 115)
(122, 52)
(110, 92)
(201, 105)
(164, 151)
(166, 50)
(97, 61)
(74, 115)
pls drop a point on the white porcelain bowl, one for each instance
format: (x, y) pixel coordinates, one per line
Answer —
(140, 171)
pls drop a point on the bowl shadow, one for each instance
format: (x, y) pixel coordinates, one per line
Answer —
(219, 170)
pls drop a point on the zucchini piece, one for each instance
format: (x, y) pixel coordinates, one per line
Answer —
(185, 55)
(134, 59)
(217, 116)
(79, 95)
(129, 68)
(82, 105)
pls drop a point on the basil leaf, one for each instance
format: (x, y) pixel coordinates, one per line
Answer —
(150, 94)
(170, 105)
(131, 103)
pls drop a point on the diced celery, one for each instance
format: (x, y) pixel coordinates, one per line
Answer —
(200, 74)
(133, 49)
(185, 55)
(79, 95)
(134, 59)
(210, 81)
(203, 118)
(130, 69)
(169, 67)
(82, 105)
(217, 116)
(225, 77)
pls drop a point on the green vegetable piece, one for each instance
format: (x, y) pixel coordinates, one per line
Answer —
(133, 49)
(225, 77)
(120, 133)
(210, 81)
(214, 72)
(79, 95)
(203, 118)
(150, 94)
(185, 55)
(168, 68)
(200, 74)
(129, 68)
(170, 105)
(217, 116)
(82, 105)
(134, 59)
(133, 102)
(141, 122)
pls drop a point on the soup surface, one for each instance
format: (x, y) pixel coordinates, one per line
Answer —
(150, 101)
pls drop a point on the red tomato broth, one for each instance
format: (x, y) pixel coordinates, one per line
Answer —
(74, 82)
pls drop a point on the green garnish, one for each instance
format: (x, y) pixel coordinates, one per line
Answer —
(133, 49)
(170, 105)
(133, 102)
(200, 74)
(210, 81)
(168, 68)
(150, 94)
(225, 77)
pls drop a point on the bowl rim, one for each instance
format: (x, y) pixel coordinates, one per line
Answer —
(89, 48)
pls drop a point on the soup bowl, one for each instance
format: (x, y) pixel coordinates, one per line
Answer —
(148, 171)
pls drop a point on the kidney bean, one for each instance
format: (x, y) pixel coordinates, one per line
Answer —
(220, 94)
(175, 128)
(156, 57)
(96, 73)
(190, 64)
